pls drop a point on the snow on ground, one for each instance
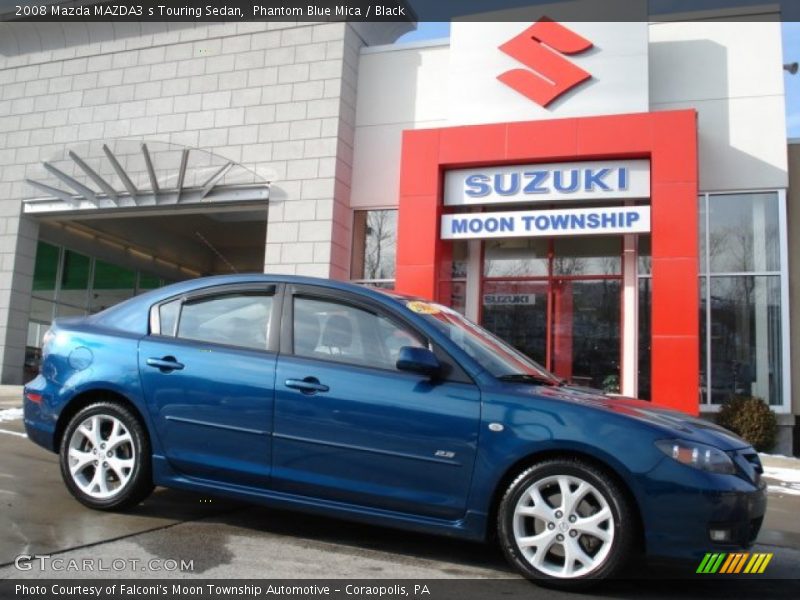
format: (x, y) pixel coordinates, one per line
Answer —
(10, 414)
(782, 474)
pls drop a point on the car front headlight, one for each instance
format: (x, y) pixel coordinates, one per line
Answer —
(699, 456)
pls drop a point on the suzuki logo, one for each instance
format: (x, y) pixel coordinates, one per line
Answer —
(538, 48)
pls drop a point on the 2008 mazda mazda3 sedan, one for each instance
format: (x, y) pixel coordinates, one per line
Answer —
(351, 402)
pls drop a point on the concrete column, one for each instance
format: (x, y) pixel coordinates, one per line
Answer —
(16, 280)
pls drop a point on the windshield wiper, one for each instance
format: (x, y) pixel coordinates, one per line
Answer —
(532, 378)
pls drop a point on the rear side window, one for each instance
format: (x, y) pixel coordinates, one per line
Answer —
(330, 330)
(168, 317)
(234, 320)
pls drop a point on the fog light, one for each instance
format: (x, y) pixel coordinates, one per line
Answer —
(720, 535)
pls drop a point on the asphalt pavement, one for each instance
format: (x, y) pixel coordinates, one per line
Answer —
(221, 539)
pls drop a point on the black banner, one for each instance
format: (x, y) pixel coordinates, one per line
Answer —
(385, 589)
(393, 10)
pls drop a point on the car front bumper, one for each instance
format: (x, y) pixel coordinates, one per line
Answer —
(684, 505)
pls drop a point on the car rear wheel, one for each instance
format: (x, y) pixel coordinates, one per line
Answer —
(105, 457)
(565, 523)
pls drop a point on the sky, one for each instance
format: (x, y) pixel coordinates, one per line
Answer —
(791, 53)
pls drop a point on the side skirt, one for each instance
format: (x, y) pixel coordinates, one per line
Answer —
(471, 527)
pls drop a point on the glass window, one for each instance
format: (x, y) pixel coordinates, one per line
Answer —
(645, 339)
(45, 270)
(374, 246)
(148, 282)
(112, 284)
(333, 331)
(741, 335)
(701, 236)
(74, 279)
(234, 320)
(644, 255)
(746, 338)
(517, 257)
(168, 317)
(516, 311)
(458, 266)
(495, 355)
(587, 339)
(743, 233)
(587, 256)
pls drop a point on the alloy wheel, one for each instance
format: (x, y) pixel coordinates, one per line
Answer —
(101, 456)
(563, 526)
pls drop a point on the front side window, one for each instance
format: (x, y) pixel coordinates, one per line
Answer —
(234, 320)
(329, 330)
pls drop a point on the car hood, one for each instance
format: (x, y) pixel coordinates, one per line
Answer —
(673, 423)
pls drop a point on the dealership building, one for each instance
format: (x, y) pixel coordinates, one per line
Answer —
(617, 200)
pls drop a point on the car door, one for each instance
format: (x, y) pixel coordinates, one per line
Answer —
(352, 428)
(208, 373)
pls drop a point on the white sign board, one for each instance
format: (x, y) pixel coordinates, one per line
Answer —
(598, 180)
(547, 223)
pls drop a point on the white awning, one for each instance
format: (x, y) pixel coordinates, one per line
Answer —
(128, 175)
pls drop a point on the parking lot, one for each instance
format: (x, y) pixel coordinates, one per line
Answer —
(180, 535)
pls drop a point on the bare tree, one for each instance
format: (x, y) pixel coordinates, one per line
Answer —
(380, 231)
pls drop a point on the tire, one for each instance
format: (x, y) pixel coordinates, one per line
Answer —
(578, 543)
(105, 457)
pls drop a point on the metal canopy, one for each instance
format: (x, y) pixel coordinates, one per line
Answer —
(129, 176)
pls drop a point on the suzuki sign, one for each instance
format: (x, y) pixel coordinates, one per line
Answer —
(597, 180)
(541, 48)
(523, 71)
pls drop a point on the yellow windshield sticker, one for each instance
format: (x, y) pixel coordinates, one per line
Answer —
(423, 308)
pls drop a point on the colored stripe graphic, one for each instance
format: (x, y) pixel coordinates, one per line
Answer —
(728, 562)
(734, 563)
(711, 563)
(741, 562)
(768, 557)
(703, 563)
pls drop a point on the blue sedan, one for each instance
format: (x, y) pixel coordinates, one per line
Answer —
(350, 402)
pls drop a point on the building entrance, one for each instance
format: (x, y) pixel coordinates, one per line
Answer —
(559, 302)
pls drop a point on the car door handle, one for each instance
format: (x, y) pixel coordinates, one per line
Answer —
(167, 363)
(309, 385)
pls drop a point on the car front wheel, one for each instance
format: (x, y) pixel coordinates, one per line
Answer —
(565, 523)
(105, 457)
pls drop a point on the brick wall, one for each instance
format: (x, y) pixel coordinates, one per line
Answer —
(278, 98)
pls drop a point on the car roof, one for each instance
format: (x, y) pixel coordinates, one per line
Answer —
(131, 315)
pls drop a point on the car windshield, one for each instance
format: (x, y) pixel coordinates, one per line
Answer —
(492, 353)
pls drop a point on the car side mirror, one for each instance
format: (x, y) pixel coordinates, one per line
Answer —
(418, 360)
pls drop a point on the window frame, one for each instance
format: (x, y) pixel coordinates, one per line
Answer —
(705, 274)
(274, 290)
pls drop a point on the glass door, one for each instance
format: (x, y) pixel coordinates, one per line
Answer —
(517, 311)
(559, 302)
(585, 332)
